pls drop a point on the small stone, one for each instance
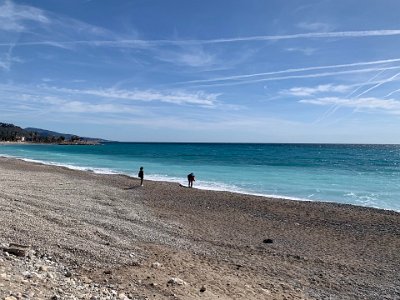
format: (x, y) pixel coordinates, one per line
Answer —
(122, 296)
(176, 281)
(10, 298)
(202, 289)
(86, 280)
(108, 272)
(43, 268)
(16, 251)
(268, 241)
(27, 274)
(68, 274)
(156, 265)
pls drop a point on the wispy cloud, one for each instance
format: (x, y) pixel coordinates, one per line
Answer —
(82, 107)
(192, 56)
(45, 28)
(15, 17)
(47, 92)
(369, 103)
(315, 26)
(179, 97)
(7, 59)
(323, 88)
(305, 51)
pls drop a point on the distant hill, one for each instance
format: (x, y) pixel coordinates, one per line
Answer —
(47, 133)
(67, 136)
(11, 132)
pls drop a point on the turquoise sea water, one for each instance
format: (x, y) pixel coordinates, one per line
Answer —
(367, 175)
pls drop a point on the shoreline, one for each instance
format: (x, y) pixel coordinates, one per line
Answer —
(112, 234)
(183, 182)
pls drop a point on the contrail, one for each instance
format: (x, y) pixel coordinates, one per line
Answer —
(368, 82)
(141, 43)
(391, 93)
(377, 85)
(335, 107)
(337, 34)
(238, 77)
(316, 75)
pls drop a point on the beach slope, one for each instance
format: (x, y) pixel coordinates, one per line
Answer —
(82, 235)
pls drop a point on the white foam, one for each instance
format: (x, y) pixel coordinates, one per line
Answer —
(218, 186)
(203, 185)
(68, 166)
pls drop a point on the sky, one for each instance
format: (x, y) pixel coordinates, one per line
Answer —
(259, 71)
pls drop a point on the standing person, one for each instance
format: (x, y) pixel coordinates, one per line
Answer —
(190, 178)
(141, 176)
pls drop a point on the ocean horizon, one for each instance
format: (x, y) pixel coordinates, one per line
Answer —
(358, 174)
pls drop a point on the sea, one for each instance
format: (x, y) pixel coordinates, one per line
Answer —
(363, 175)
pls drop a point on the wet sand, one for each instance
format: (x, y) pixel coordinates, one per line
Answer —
(221, 245)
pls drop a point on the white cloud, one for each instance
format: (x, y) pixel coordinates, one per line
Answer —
(61, 105)
(388, 105)
(179, 97)
(192, 57)
(52, 93)
(81, 107)
(316, 26)
(16, 17)
(324, 88)
(305, 51)
(54, 30)
(176, 97)
(7, 59)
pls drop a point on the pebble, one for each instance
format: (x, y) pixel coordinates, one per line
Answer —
(41, 277)
(176, 281)
(156, 265)
(268, 241)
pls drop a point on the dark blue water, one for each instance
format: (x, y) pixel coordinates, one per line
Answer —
(365, 175)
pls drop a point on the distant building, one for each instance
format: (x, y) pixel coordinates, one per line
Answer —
(20, 138)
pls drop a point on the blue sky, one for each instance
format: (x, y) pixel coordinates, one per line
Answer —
(203, 71)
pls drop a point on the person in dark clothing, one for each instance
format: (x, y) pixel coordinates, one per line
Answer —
(190, 178)
(141, 176)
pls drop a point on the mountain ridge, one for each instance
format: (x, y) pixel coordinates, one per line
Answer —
(11, 132)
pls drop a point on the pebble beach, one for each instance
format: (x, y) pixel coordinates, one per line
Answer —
(68, 234)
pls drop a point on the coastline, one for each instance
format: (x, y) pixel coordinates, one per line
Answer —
(182, 181)
(108, 231)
